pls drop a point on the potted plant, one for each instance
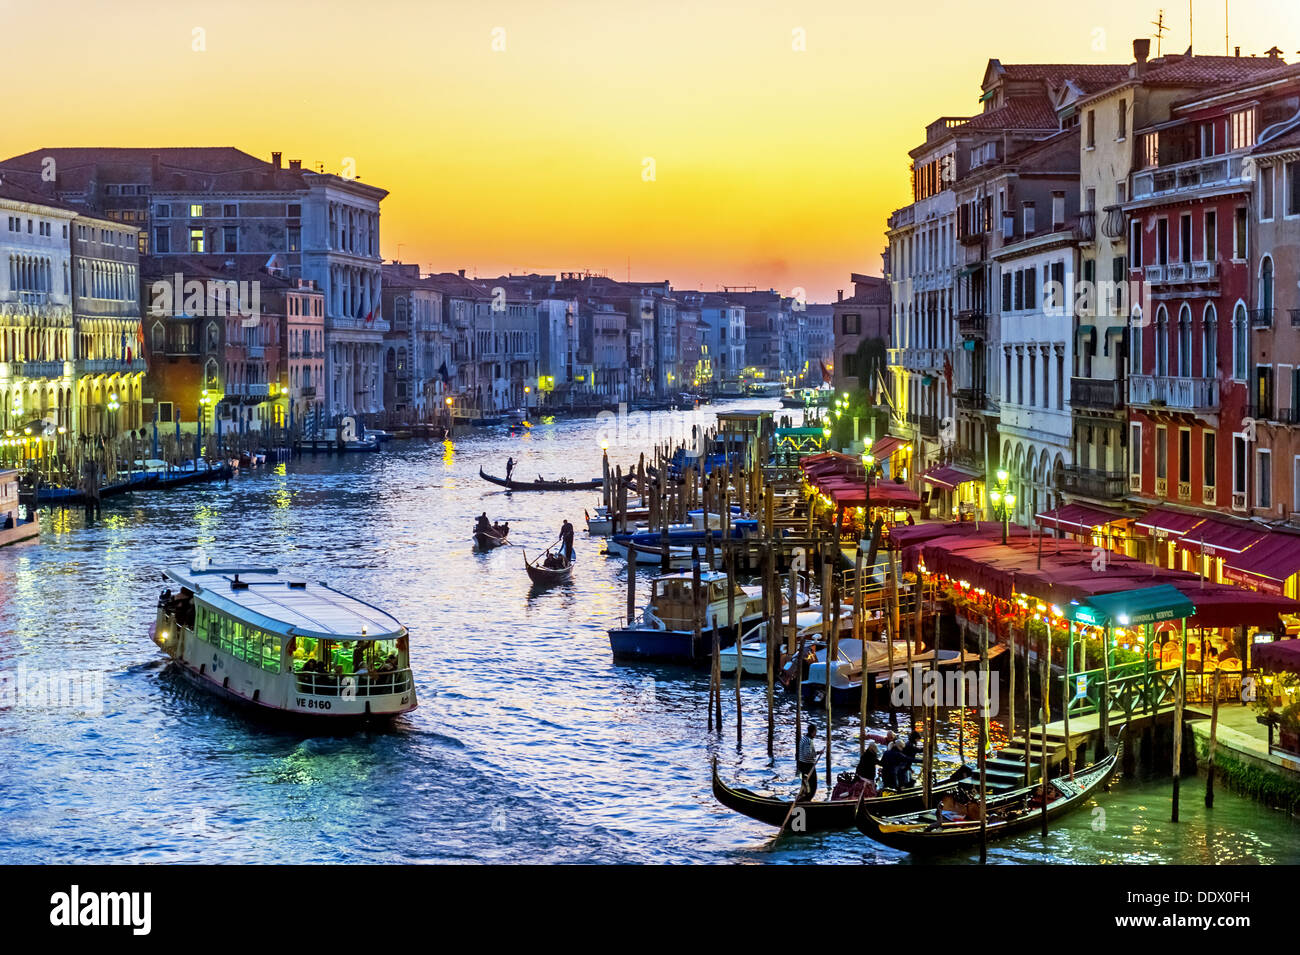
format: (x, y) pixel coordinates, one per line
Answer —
(1289, 728)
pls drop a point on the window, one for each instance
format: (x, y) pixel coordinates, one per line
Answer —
(1150, 148)
(1239, 464)
(1293, 188)
(1162, 242)
(1239, 248)
(196, 211)
(230, 210)
(852, 326)
(1242, 128)
(293, 210)
(1209, 239)
(1266, 287)
(1210, 342)
(1263, 397)
(1185, 455)
(1162, 453)
(1121, 120)
(1264, 483)
(1027, 209)
(230, 239)
(1006, 292)
(294, 238)
(1207, 139)
(1185, 341)
(162, 240)
(1058, 210)
(1135, 343)
(1092, 129)
(1265, 193)
(1185, 239)
(1207, 459)
(1135, 448)
(196, 240)
(1239, 332)
(1162, 341)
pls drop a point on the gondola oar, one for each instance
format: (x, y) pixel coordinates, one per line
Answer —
(803, 786)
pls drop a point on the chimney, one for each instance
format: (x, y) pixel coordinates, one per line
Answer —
(295, 165)
(1141, 50)
(1236, 51)
(460, 272)
(275, 160)
(157, 163)
(839, 295)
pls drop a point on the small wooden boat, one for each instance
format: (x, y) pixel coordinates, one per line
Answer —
(1008, 813)
(819, 815)
(541, 485)
(484, 540)
(544, 576)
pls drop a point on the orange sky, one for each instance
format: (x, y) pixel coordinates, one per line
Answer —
(773, 167)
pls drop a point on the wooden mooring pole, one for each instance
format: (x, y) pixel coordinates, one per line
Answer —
(1214, 733)
(984, 744)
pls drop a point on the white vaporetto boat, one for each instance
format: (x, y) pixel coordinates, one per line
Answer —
(282, 645)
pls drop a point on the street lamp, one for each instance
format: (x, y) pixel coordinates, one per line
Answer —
(1004, 502)
(868, 465)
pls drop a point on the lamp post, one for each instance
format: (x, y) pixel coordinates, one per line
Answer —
(868, 465)
(1003, 500)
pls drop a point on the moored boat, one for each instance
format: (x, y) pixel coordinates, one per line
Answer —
(285, 647)
(946, 830)
(18, 520)
(819, 815)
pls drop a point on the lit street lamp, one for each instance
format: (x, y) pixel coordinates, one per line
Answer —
(1004, 502)
(869, 465)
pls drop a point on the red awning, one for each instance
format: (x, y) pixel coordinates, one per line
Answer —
(1278, 655)
(1078, 518)
(887, 447)
(1266, 564)
(949, 477)
(1174, 523)
(1216, 538)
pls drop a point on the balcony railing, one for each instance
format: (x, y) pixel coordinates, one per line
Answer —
(107, 366)
(353, 685)
(1274, 413)
(1182, 394)
(1096, 394)
(1181, 273)
(1098, 485)
(1085, 230)
(307, 391)
(36, 369)
(970, 398)
(1186, 177)
(1114, 225)
(972, 322)
(1295, 317)
(926, 424)
(1261, 317)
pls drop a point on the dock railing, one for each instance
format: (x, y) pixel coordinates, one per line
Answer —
(350, 685)
(1134, 687)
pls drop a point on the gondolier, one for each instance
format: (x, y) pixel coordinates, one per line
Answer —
(510, 467)
(566, 540)
(806, 762)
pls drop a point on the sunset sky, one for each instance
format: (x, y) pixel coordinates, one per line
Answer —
(773, 167)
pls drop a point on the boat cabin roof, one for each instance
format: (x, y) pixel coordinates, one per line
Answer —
(286, 603)
(706, 577)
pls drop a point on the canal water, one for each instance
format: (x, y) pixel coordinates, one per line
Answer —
(529, 744)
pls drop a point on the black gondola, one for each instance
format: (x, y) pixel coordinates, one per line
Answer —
(541, 485)
(819, 815)
(484, 540)
(544, 576)
(1009, 813)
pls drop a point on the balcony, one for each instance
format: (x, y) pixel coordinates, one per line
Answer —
(248, 394)
(971, 399)
(1181, 273)
(927, 425)
(1187, 176)
(1085, 230)
(1272, 413)
(972, 323)
(36, 369)
(1261, 317)
(256, 351)
(109, 366)
(307, 391)
(1098, 485)
(1114, 224)
(1096, 394)
(1178, 394)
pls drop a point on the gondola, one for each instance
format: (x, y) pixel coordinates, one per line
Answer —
(544, 576)
(819, 815)
(488, 541)
(1008, 813)
(540, 485)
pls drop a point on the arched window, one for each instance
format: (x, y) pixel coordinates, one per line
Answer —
(1266, 288)
(1210, 342)
(1162, 341)
(1239, 333)
(1185, 341)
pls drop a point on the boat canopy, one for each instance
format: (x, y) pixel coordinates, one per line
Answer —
(286, 604)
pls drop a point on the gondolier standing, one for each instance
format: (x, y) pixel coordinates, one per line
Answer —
(510, 467)
(806, 761)
(566, 540)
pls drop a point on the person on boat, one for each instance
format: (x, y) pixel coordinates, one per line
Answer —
(867, 764)
(566, 540)
(806, 762)
(483, 525)
(911, 751)
(893, 766)
(510, 467)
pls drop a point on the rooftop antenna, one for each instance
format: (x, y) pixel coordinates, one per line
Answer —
(1189, 27)
(1227, 50)
(1159, 24)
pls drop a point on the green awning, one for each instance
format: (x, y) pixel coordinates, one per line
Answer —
(966, 270)
(988, 95)
(968, 344)
(1085, 331)
(1114, 331)
(1131, 608)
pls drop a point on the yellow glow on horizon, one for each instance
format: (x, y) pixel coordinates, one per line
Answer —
(774, 167)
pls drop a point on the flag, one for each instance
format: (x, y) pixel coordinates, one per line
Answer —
(126, 352)
(947, 371)
(826, 375)
(370, 317)
(444, 373)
